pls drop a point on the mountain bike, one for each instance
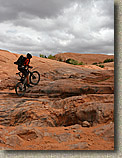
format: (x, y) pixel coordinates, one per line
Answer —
(34, 78)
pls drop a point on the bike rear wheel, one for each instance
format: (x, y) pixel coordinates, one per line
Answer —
(20, 89)
(34, 77)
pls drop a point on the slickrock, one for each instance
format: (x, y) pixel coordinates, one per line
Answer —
(72, 107)
(85, 58)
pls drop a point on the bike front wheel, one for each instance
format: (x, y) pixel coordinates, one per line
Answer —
(34, 77)
(20, 89)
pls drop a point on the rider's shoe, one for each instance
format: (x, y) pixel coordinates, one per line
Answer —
(28, 85)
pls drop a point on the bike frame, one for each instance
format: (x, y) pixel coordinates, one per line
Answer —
(23, 76)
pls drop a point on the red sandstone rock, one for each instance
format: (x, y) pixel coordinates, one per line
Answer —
(50, 116)
(85, 58)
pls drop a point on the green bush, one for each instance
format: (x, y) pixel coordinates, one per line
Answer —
(108, 60)
(102, 66)
(81, 63)
(74, 62)
(42, 56)
(60, 59)
(71, 61)
(94, 63)
(51, 57)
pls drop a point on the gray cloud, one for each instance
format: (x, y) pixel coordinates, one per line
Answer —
(52, 26)
(12, 9)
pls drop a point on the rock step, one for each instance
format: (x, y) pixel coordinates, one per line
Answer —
(64, 112)
(54, 91)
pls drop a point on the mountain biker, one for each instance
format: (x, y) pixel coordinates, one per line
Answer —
(22, 68)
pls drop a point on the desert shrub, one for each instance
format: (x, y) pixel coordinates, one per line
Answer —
(60, 59)
(102, 66)
(42, 56)
(74, 62)
(108, 60)
(51, 57)
(94, 63)
(81, 63)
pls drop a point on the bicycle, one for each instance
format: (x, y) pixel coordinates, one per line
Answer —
(34, 78)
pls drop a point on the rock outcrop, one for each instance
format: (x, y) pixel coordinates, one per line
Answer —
(72, 107)
(85, 58)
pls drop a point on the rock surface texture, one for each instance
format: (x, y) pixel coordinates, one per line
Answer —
(72, 107)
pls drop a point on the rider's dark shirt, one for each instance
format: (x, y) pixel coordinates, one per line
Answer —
(26, 63)
(23, 67)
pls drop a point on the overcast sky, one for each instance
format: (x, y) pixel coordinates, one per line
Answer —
(55, 26)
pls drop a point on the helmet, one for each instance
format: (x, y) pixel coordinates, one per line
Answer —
(29, 56)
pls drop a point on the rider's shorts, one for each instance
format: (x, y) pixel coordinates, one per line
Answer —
(24, 71)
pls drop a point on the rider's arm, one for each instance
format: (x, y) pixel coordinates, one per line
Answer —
(30, 66)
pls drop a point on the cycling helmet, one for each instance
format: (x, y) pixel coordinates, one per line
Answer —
(29, 56)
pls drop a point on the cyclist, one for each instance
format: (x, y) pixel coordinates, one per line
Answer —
(22, 68)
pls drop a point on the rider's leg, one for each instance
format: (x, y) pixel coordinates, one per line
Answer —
(28, 84)
(22, 75)
(25, 75)
(27, 79)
